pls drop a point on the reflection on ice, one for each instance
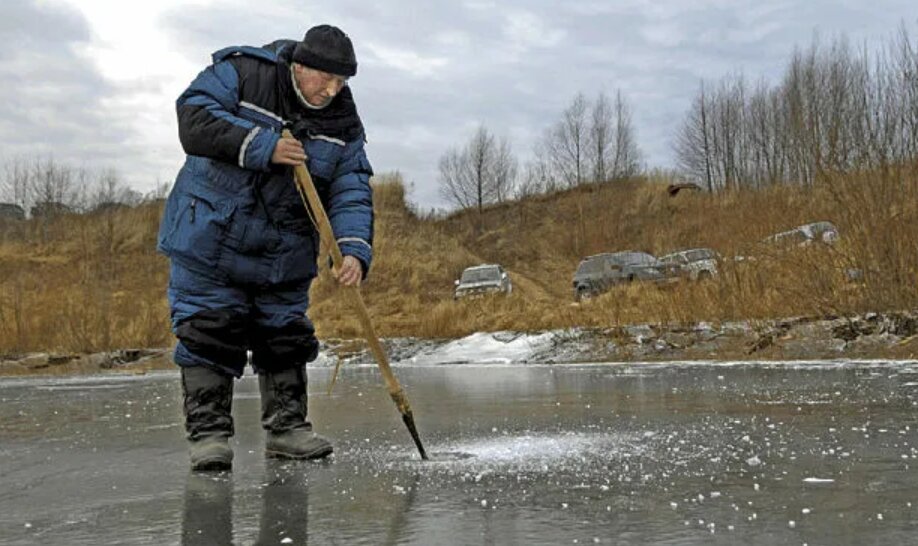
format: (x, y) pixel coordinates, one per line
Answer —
(113, 380)
(80, 387)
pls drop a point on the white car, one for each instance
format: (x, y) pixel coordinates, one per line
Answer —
(695, 264)
(483, 279)
(805, 235)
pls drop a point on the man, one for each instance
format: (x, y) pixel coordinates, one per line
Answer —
(242, 247)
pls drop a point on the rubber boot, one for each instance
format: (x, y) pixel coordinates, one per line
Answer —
(208, 417)
(283, 416)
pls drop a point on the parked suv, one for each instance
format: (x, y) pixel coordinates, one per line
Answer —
(695, 264)
(598, 273)
(483, 279)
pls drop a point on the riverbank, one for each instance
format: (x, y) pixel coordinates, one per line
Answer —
(868, 336)
(65, 287)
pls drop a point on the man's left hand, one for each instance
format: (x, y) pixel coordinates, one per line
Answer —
(350, 273)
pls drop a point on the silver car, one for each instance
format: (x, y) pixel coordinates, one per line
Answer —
(599, 273)
(483, 279)
(805, 235)
(695, 264)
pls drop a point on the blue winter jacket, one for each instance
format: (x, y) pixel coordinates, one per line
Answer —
(234, 215)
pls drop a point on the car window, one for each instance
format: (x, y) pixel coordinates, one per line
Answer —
(645, 259)
(593, 265)
(480, 275)
(632, 258)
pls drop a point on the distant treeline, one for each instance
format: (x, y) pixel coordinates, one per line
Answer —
(836, 110)
(42, 187)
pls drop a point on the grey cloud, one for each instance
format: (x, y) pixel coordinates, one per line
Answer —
(431, 71)
(54, 102)
(27, 23)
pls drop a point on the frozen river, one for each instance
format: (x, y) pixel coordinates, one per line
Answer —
(608, 454)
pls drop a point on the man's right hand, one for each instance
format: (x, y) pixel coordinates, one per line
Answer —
(289, 151)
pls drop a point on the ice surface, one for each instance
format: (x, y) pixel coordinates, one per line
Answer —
(624, 453)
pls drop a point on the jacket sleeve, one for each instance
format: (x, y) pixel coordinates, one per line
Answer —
(350, 204)
(209, 127)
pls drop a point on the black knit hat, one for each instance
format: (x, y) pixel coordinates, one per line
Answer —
(327, 48)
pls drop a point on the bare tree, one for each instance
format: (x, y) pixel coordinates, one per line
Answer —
(51, 188)
(693, 149)
(457, 185)
(16, 183)
(481, 154)
(731, 137)
(110, 192)
(504, 171)
(906, 70)
(105, 202)
(626, 159)
(482, 172)
(537, 177)
(592, 142)
(602, 135)
(567, 143)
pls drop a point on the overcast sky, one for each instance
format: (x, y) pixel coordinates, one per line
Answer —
(93, 82)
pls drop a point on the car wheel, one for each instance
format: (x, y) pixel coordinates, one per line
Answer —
(704, 276)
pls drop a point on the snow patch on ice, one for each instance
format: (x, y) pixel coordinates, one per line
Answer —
(486, 348)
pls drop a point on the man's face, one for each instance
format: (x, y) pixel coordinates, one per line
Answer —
(317, 87)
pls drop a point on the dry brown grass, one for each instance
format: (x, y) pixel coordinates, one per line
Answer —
(97, 283)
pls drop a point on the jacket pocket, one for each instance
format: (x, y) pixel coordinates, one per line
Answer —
(198, 228)
(251, 235)
(297, 258)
